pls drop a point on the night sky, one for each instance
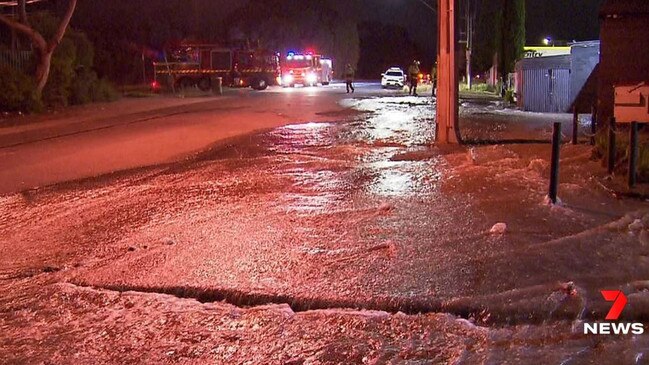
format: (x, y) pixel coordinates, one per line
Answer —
(563, 20)
(560, 19)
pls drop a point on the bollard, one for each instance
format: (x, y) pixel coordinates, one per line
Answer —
(612, 148)
(554, 169)
(575, 124)
(633, 154)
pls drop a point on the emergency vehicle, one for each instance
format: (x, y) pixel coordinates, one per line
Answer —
(306, 69)
(193, 64)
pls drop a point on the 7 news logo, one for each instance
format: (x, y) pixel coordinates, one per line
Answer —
(611, 328)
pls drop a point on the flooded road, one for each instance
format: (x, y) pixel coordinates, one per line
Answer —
(342, 241)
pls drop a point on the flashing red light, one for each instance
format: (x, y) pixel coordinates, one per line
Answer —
(155, 86)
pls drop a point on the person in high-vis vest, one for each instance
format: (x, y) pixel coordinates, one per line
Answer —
(413, 74)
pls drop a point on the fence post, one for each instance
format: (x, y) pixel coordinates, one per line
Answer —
(593, 125)
(612, 148)
(575, 124)
(554, 169)
(633, 154)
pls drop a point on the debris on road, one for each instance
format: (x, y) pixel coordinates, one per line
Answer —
(498, 229)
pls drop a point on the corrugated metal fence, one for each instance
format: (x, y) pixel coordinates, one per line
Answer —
(20, 60)
(546, 90)
(544, 84)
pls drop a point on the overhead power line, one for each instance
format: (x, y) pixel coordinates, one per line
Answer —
(15, 3)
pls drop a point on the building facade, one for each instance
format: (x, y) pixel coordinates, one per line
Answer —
(624, 55)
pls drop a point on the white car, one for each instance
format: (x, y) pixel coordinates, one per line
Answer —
(393, 77)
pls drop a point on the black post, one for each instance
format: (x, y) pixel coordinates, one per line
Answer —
(633, 153)
(575, 124)
(593, 125)
(554, 170)
(612, 148)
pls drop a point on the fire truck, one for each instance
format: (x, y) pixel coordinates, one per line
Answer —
(193, 64)
(306, 69)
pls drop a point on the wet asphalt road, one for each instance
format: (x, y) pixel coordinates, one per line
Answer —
(98, 139)
(352, 211)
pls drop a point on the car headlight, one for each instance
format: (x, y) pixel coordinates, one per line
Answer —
(311, 78)
(288, 79)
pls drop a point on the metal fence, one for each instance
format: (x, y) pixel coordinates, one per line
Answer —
(546, 90)
(20, 60)
(543, 84)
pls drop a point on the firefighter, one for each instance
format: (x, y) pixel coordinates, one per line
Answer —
(235, 76)
(413, 73)
(349, 78)
(433, 78)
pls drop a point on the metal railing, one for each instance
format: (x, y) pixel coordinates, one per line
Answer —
(19, 60)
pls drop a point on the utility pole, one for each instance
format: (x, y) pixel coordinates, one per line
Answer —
(466, 37)
(447, 95)
(470, 23)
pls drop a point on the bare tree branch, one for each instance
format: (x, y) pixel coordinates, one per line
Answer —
(45, 49)
(35, 37)
(62, 26)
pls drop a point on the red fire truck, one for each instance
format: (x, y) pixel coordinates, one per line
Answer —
(306, 69)
(193, 64)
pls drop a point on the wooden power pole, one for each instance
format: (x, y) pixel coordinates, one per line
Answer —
(447, 90)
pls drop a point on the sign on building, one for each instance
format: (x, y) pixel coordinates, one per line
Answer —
(631, 103)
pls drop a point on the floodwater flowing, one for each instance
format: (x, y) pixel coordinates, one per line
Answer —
(348, 241)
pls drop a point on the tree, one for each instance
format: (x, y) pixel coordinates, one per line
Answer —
(284, 25)
(44, 48)
(512, 34)
(501, 31)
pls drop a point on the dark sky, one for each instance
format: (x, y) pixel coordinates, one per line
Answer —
(560, 19)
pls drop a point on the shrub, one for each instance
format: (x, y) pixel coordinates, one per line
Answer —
(72, 79)
(643, 163)
(82, 87)
(18, 91)
(622, 151)
(480, 87)
(104, 91)
(59, 83)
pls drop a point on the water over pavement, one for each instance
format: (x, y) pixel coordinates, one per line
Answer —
(335, 216)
